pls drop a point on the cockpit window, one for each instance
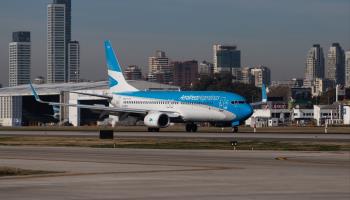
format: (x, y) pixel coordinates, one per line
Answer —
(238, 102)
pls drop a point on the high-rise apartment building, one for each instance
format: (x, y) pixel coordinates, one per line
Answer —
(68, 17)
(19, 58)
(335, 64)
(262, 75)
(63, 55)
(73, 61)
(157, 77)
(246, 76)
(133, 72)
(206, 68)
(160, 64)
(185, 73)
(56, 44)
(320, 86)
(226, 58)
(347, 69)
(314, 65)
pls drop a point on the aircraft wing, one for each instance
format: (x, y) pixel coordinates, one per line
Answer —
(99, 107)
(94, 95)
(94, 107)
(263, 97)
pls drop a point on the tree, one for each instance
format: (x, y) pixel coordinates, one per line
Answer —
(327, 97)
(280, 91)
(223, 82)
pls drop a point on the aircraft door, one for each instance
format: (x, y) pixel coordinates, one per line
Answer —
(223, 103)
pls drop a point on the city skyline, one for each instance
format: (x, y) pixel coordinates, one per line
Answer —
(271, 33)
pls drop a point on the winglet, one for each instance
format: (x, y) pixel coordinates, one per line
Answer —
(263, 94)
(37, 98)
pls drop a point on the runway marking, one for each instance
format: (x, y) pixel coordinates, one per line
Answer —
(295, 160)
(281, 158)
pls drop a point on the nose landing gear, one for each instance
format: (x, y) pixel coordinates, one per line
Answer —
(235, 129)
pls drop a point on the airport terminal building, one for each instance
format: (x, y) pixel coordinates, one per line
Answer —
(19, 108)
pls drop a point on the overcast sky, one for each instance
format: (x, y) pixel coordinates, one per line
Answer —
(275, 33)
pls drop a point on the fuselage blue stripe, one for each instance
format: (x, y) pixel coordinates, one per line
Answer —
(220, 100)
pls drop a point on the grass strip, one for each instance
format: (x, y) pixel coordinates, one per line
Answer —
(11, 171)
(166, 143)
(180, 128)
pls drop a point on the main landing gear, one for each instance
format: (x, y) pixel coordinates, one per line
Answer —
(153, 129)
(235, 129)
(191, 127)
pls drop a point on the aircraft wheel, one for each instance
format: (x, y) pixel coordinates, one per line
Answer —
(153, 129)
(235, 129)
(188, 127)
(194, 127)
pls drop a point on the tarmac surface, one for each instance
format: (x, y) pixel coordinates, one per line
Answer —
(228, 136)
(92, 173)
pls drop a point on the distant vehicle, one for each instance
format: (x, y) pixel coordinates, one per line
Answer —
(159, 108)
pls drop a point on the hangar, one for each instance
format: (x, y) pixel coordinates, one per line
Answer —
(19, 108)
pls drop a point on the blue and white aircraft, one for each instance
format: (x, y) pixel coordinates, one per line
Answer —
(159, 108)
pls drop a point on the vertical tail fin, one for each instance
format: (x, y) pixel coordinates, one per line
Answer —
(117, 82)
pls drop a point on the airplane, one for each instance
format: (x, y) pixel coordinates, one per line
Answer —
(158, 109)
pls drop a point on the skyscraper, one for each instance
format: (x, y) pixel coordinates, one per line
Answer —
(73, 61)
(68, 17)
(159, 64)
(262, 75)
(63, 55)
(335, 64)
(56, 44)
(206, 68)
(19, 58)
(347, 69)
(314, 65)
(226, 58)
(133, 72)
(185, 73)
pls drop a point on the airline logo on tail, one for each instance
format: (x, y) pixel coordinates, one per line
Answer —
(117, 82)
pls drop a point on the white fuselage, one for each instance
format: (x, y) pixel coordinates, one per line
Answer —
(187, 110)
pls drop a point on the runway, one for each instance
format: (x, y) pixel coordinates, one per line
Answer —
(228, 136)
(92, 173)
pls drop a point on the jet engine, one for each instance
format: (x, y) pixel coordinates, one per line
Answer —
(157, 120)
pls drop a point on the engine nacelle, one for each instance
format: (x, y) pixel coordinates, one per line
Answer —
(157, 120)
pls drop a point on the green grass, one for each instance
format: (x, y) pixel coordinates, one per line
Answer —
(10, 171)
(180, 128)
(174, 143)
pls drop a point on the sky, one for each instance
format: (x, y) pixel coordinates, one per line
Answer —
(274, 33)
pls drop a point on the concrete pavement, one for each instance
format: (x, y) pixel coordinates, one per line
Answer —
(91, 173)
